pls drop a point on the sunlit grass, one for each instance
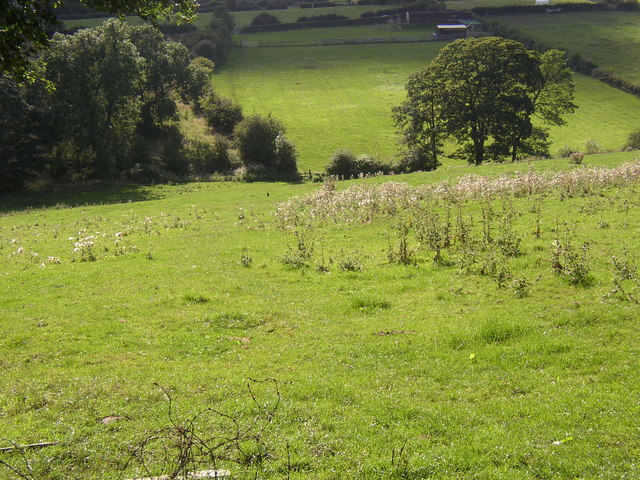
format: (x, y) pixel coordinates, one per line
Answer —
(446, 373)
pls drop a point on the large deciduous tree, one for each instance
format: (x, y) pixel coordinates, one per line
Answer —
(481, 90)
(98, 75)
(113, 85)
(23, 25)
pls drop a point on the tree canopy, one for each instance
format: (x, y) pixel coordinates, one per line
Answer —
(23, 25)
(480, 90)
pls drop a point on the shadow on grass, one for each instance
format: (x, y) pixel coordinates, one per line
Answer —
(75, 196)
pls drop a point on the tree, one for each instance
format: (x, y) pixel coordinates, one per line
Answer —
(222, 114)
(261, 141)
(479, 90)
(98, 76)
(113, 84)
(421, 121)
(265, 18)
(22, 137)
(23, 25)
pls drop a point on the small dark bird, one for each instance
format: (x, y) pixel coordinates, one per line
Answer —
(267, 194)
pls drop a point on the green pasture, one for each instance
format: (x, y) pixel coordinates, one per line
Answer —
(383, 370)
(333, 97)
(292, 14)
(469, 4)
(317, 35)
(611, 40)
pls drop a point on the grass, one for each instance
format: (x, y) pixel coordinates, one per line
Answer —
(328, 96)
(317, 35)
(292, 14)
(391, 371)
(593, 36)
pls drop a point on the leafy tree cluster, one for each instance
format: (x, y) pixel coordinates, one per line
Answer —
(260, 141)
(213, 42)
(483, 93)
(264, 18)
(24, 25)
(111, 113)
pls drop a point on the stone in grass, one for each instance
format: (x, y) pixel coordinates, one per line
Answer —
(191, 475)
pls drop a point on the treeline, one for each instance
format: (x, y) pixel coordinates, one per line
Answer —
(107, 111)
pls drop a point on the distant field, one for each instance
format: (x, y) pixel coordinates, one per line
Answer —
(293, 13)
(469, 4)
(611, 40)
(317, 35)
(336, 97)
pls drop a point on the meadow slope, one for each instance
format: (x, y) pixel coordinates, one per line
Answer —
(384, 370)
(333, 97)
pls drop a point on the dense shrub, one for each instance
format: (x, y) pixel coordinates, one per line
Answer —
(265, 18)
(205, 48)
(591, 147)
(205, 157)
(213, 44)
(346, 164)
(417, 160)
(633, 140)
(565, 151)
(342, 164)
(286, 155)
(261, 141)
(221, 114)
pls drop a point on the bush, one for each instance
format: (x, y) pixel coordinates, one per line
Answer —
(205, 48)
(265, 18)
(221, 114)
(417, 160)
(633, 141)
(205, 157)
(342, 164)
(345, 164)
(591, 147)
(286, 155)
(565, 151)
(261, 141)
(576, 158)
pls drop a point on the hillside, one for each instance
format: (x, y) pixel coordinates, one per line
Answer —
(445, 369)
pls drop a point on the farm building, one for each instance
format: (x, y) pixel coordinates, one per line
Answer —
(450, 31)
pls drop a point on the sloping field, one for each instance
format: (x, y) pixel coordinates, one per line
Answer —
(611, 40)
(486, 364)
(333, 97)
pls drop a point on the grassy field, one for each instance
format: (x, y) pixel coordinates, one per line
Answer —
(469, 4)
(317, 35)
(334, 97)
(594, 36)
(292, 14)
(384, 370)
